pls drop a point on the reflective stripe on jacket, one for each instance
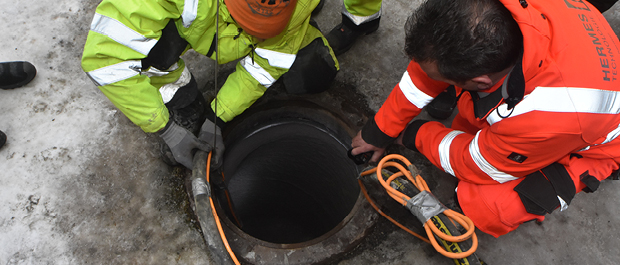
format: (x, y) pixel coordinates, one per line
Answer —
(123, 32)
(571, 103)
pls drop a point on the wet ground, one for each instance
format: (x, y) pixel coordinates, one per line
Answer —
(80, 184)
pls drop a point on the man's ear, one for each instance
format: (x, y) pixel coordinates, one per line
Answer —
(483, 82)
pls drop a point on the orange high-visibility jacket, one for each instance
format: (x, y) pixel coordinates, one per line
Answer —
(571, 104)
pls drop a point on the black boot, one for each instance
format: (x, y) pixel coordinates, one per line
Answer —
(16, 74)
(344, 35)
(443, 105)
(2, 139)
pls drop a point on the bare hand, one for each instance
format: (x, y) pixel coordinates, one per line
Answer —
(360, 146)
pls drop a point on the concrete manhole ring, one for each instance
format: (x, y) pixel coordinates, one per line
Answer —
(289, 193)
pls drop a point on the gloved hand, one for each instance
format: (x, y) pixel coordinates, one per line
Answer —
(207, 133)
(182, 143)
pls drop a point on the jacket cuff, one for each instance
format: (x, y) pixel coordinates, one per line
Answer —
(373, 135)
(410, 133)
(163, 130)
(210, 115)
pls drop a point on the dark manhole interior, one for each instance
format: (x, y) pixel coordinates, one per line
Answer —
(288, 180)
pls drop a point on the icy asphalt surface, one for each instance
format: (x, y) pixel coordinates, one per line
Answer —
(80, 184)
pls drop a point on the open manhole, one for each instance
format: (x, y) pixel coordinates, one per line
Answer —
(288, 193)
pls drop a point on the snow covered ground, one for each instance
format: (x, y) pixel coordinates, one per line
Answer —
(80, 184)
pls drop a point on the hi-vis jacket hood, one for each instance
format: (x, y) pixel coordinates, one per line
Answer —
(123, 32)
(569, 103)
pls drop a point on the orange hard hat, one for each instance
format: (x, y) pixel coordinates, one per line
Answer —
(261, 18)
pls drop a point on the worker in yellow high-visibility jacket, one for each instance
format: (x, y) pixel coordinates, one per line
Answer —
(133, 48)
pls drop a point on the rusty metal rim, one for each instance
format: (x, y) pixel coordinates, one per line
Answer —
(231, 227)
(327, 247)
(337, 242)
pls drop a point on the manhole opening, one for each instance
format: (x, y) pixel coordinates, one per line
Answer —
(287, 180)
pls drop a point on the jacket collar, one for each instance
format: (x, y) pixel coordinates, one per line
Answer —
(510, 92)
(536, 40)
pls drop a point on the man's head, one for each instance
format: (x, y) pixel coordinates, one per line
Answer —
(263, 19)
(463, 39)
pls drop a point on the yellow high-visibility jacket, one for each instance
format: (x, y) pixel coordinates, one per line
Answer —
(124, 31)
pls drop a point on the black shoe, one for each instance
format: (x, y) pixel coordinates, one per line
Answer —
(16, 74)
(343, 36)
(2, 139)
(443, 105)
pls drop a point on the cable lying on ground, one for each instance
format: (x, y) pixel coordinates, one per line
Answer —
(423, 205)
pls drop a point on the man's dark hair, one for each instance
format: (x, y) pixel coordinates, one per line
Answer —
(466, 38)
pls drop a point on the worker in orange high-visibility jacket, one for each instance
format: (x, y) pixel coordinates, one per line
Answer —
(538, 108)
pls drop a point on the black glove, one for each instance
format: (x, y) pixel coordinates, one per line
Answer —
(182, 143)
(207, 133)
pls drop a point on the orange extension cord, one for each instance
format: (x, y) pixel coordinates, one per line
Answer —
(430, 228)
(217, 219)
(399, 197)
